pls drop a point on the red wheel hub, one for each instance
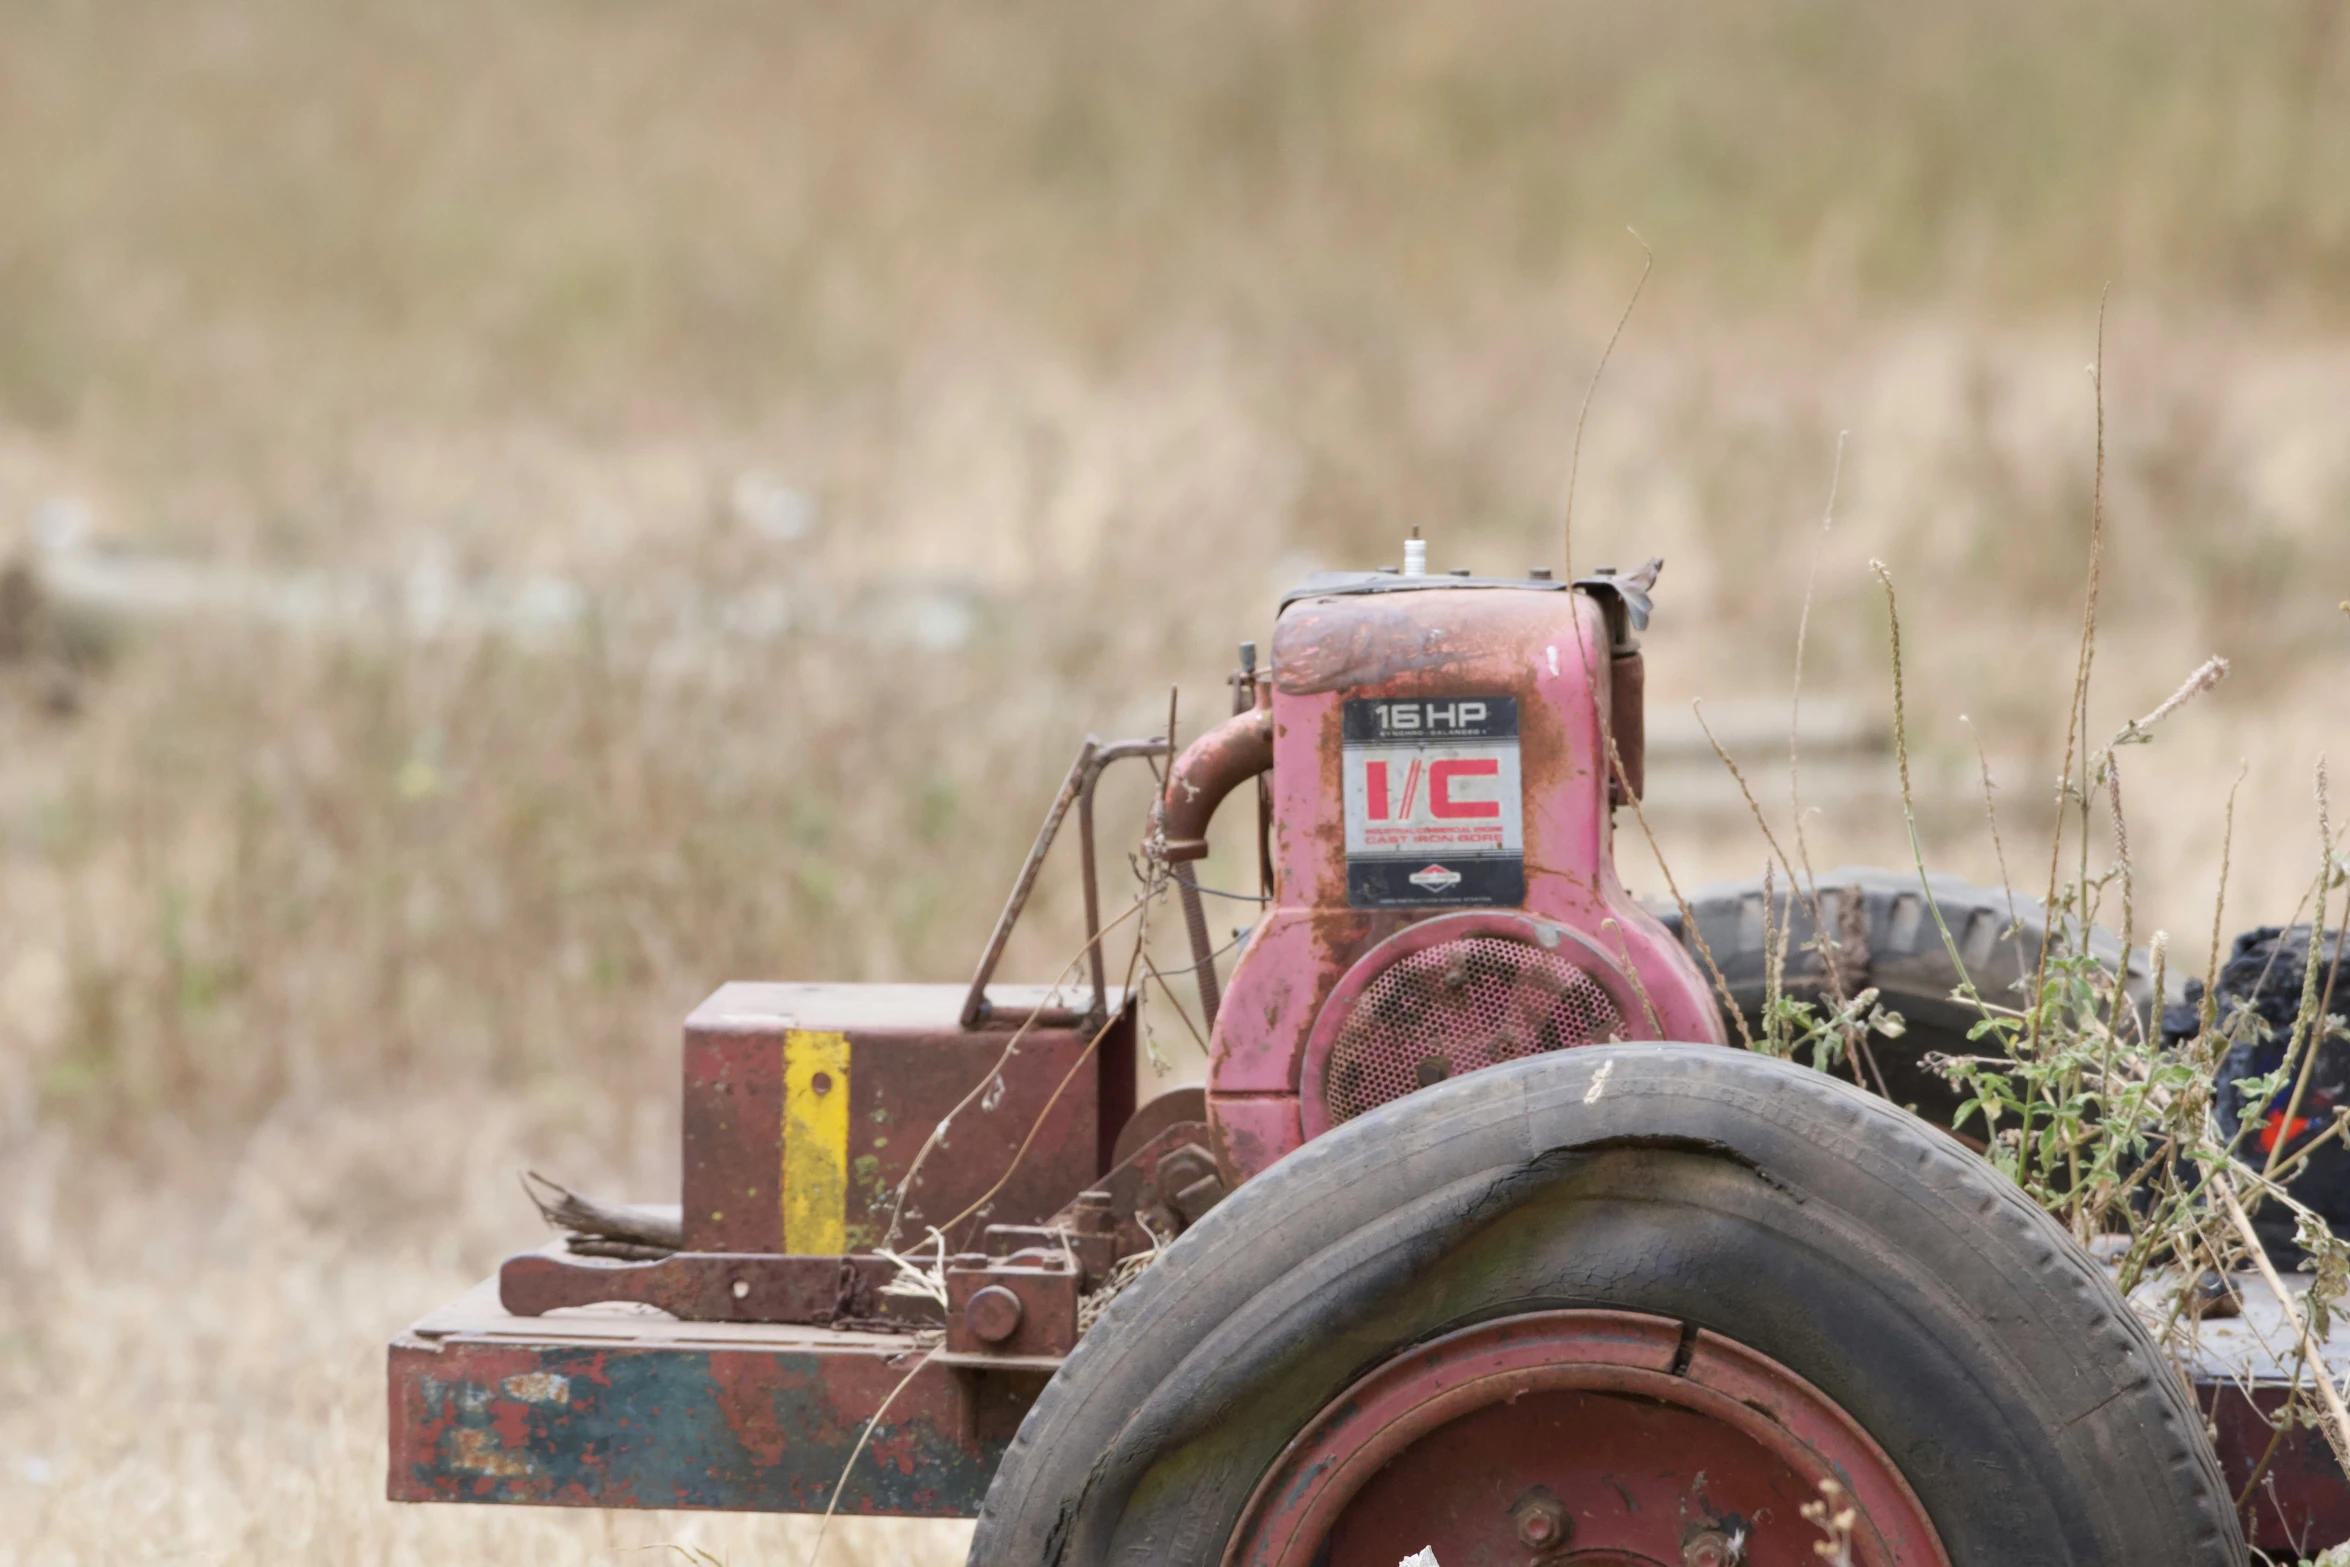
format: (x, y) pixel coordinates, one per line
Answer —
(1578, 1439)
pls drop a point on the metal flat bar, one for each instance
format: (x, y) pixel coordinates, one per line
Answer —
(975, 1003)
(1088, 871)
(632, 1410)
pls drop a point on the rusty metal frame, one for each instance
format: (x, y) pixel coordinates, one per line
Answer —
(605, 1408)
(613, 1408)
(1093, 758)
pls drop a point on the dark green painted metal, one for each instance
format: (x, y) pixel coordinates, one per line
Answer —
(669, 1424)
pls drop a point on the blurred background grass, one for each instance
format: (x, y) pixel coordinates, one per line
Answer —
(843, 410)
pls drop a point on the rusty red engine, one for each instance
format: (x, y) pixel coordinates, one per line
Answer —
(1444, 753)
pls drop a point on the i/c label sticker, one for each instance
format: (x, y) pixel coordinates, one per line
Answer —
(1435, 813)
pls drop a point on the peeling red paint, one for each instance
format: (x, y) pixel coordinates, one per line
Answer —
(745, 1399)
(896, 1451)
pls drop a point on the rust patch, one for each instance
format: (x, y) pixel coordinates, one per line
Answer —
(768, 1425)
(744, 1392)
(901, 1450)
(539, 1387)
(478, 1450)
(1240, 1149)
(1359, 648)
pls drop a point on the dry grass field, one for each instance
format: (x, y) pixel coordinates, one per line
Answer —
(844, 409)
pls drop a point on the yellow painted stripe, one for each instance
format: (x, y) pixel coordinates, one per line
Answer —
(815, 1141)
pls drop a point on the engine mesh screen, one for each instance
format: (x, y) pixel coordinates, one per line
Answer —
(1454, 1008)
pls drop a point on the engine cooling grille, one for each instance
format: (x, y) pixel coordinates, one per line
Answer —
(1455, 1007)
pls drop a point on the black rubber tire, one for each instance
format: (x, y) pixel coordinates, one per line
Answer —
(1896, 1271)
(1903, 955)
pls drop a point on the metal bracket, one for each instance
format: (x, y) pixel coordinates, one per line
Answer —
(1077, 789)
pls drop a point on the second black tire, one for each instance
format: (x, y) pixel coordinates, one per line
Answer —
(1891, 940)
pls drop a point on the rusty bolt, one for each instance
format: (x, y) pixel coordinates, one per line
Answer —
(992, 1314)
(1541, 1521)
(1096, 1213)
(1709, 1548)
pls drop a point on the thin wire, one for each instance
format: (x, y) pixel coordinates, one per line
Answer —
(1174, 1001)
(1217, 892)
(1193, 968)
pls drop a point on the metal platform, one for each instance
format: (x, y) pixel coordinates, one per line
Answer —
(2295, 1496)
(625, 1406)
(618, 1406)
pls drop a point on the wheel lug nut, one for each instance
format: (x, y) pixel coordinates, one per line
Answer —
(1541, 1521)
(1710, 1548)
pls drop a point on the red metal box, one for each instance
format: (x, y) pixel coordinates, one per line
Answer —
(806, 1105)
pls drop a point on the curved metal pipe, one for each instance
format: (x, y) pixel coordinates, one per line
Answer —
(1210, 768)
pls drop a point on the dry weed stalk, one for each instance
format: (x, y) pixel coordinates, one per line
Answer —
(2076, 712)
(928, 1280)
(857, 1451)
(990, 1084)
(2077, 1100)
(1991, 818)
(1729, 999)
(1788, 1022)
(2114, 1136)
(1575, 453)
